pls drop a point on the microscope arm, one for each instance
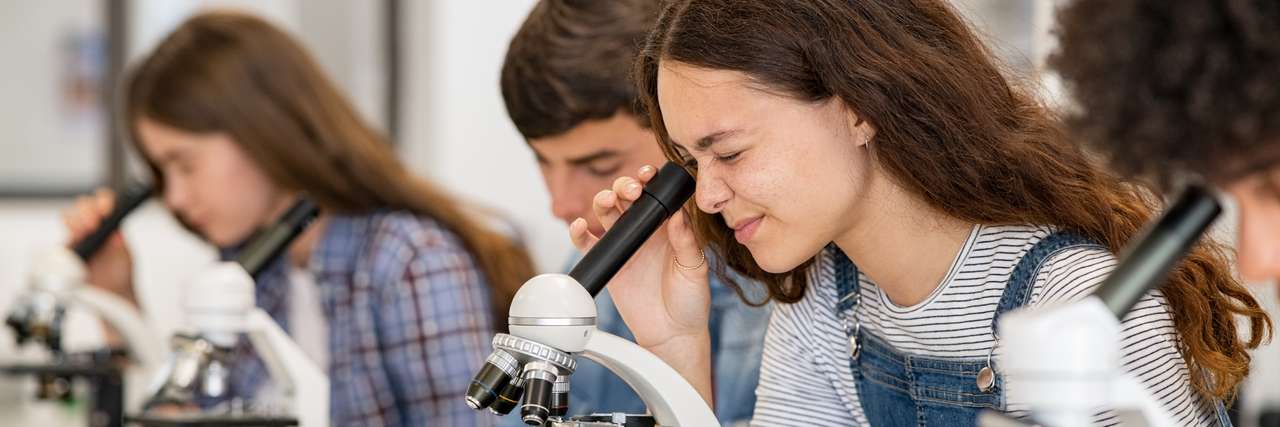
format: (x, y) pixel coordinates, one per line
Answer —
(297, 374)
(144, 345)
(671, 400)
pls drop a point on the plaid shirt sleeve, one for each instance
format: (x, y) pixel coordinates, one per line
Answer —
(420, 332)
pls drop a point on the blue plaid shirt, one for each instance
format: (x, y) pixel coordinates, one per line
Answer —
(409, 321)
(737, 341)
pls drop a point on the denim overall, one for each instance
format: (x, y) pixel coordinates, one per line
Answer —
(901, 389)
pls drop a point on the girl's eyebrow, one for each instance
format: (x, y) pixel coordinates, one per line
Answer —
(705, 143)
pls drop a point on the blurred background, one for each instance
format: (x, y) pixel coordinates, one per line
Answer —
(425, 72)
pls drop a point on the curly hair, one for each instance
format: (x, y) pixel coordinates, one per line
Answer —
(1172, 88)
(951, 129)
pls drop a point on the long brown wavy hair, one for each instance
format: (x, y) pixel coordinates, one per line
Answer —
(952, 130)
(234, 73)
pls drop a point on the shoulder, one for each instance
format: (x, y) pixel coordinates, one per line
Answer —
(1061, 266)
(400, 242)
(1072, 273)
(410, 230)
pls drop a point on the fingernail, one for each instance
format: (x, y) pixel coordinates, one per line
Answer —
(632, 188)
(646, 169)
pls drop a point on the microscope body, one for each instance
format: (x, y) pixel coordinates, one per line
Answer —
(220, 306)
(38, 315)
(57, 282)
(1064, 361)
(552, 320)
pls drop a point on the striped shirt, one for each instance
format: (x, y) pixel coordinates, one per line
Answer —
(806, 380)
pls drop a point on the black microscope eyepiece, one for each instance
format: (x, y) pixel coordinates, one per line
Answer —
(661, 198)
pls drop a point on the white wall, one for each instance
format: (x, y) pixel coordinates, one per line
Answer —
(1008, 27)
(455, 127)
(151, 20)
(344, 36)
(44, 145)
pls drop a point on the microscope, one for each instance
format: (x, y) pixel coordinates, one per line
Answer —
(553, 321)
(1064, 360)
(57, 281)
(220, 309)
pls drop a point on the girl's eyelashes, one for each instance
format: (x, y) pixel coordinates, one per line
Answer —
(728, 158)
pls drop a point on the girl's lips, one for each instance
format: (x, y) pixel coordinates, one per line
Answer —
(747, 229)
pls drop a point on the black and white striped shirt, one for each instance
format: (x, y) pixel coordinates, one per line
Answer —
(805, 377)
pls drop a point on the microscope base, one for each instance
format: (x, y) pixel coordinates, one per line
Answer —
(106, 384)
(606, 420)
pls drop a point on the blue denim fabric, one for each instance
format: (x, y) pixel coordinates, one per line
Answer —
(899, 389)
(737, 341)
